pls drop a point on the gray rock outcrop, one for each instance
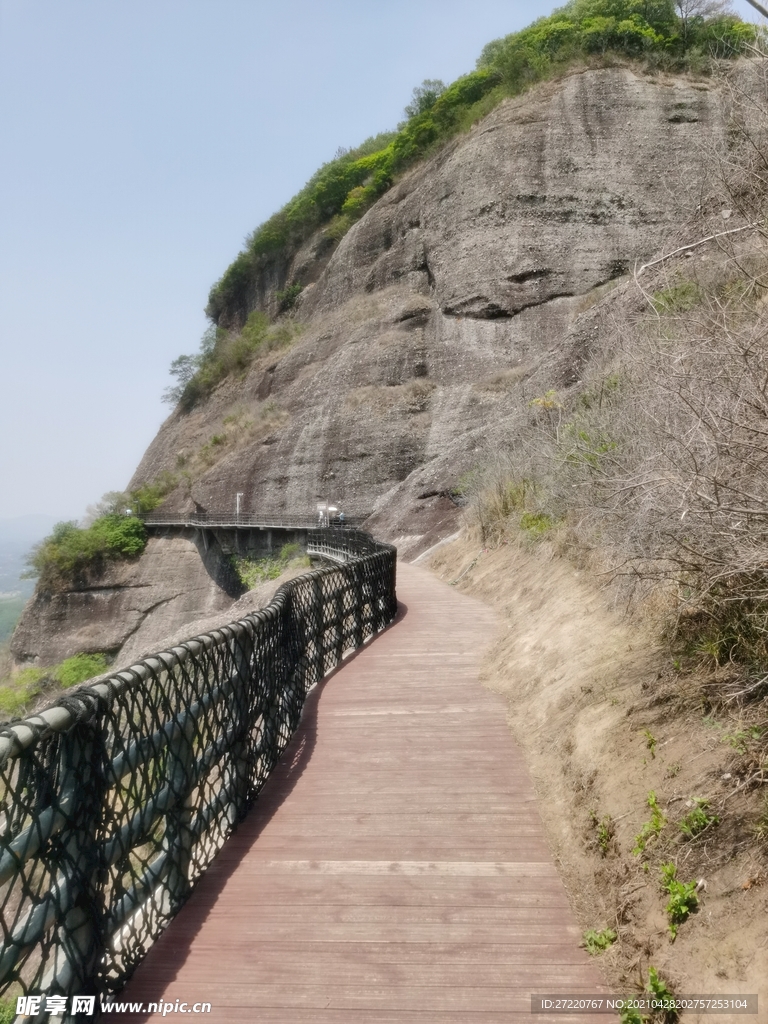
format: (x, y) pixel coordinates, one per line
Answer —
(451, 304)
(128, 609)
(459, 298)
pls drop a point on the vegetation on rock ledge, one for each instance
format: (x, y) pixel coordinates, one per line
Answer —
(224, 352)
(116, 532)
(19, 693)
(252, 572)
(673, 36)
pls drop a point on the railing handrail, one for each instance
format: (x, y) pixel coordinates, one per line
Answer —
(119, 794)
(231, 520)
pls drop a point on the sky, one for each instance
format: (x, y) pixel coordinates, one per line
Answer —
(142, 140)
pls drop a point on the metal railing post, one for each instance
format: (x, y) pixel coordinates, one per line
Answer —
(317, 629)
(178, 838)
(242, 753)
(338, 617)
(80, 934)
(357, 612)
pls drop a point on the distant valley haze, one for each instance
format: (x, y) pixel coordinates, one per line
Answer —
(17, 538)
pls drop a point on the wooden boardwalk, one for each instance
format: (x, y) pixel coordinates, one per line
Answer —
(394, 870)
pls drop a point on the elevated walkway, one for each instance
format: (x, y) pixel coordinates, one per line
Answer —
(394, 869)
(257, 534)
(245, 520)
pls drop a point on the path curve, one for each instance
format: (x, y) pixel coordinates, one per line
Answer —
(394, 870)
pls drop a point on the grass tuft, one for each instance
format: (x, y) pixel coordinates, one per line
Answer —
(596, 942)
(682, 898)
(652, 828)
(252, 572)
(18, 693)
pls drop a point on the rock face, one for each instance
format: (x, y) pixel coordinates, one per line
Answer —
(460, 297)
(550, 196)
(130, 608)
(452, 304)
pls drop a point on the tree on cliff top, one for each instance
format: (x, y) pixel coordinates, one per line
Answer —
(692, 12)
(425, 96)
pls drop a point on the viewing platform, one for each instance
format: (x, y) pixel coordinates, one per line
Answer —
(258, 534)
(249, 520)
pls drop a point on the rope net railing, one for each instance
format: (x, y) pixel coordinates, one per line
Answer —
(116, 798)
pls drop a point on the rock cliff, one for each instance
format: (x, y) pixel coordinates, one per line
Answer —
(461, 296)
(452, 304)
(130, 607)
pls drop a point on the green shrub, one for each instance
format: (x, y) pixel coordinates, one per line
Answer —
(252, 572)
(123, 535)
(18, 693)
(629, 1015)
(659, 989)
(682, 897)
(150, 495)
(289, 551)
(650, 829)
(79, 668)
(536, 523)
(496, 502)
(596, 942)
(698, 819)
(70, 550)
(287, 297)
(605, 832)
(226, 352)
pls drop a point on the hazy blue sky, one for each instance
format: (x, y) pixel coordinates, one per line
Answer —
(142, 140)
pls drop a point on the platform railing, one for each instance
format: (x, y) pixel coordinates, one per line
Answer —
(254, 520)
(117, 797)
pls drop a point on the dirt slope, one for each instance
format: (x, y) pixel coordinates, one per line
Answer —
(586, 689)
